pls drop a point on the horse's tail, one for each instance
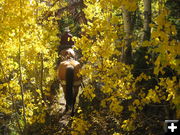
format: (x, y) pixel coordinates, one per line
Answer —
(69, 85)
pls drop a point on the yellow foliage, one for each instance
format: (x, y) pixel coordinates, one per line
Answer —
(80, 126)
(115, 107)
(26, 40)
(128, 125)
(117, 133)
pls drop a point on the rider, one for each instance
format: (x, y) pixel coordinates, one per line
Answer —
(66, 40)
(65, 43)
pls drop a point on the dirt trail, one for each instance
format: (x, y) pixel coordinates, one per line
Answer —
(63, 120)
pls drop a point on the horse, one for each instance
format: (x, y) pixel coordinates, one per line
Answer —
(70, 81)
(66, 54)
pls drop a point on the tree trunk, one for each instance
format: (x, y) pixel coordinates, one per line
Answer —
(20, 71)
(147, 20)
(41, 77)
(127, 50)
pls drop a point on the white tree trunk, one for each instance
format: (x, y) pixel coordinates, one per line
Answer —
(127, 50)
(147, 20)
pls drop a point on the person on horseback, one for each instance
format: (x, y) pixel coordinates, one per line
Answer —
(66, 40)
(66, 43)
(68, 70)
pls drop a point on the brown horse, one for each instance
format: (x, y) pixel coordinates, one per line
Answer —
(70, 81)
(67, 54)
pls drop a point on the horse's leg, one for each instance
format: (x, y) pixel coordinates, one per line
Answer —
(76, 90)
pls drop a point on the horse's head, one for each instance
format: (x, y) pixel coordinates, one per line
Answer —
(67, 54)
